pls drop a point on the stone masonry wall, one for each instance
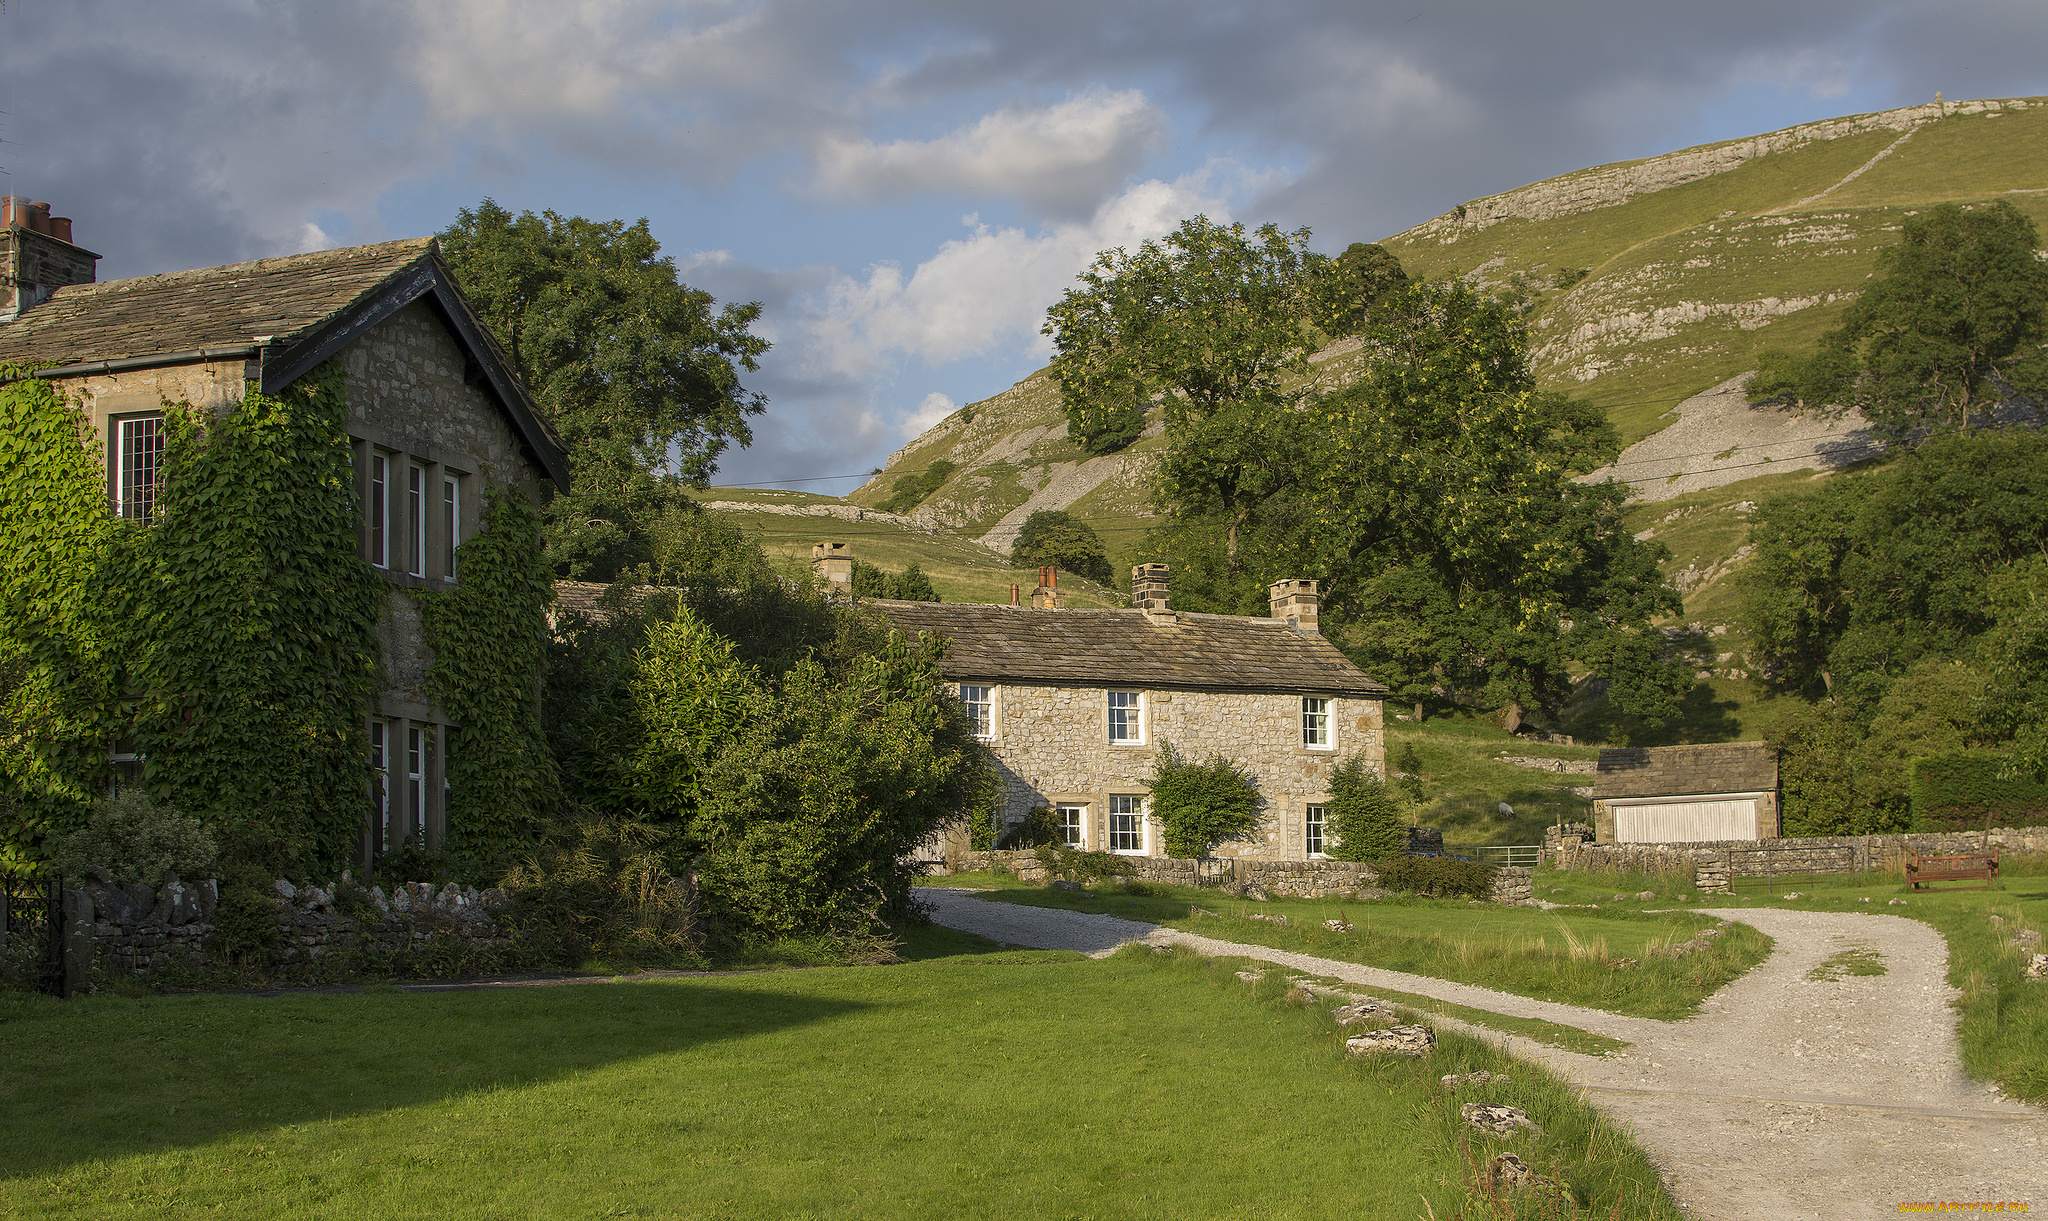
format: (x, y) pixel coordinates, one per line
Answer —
(1052, 748)
(1249, 877)
(125, 929)
(1714, 862)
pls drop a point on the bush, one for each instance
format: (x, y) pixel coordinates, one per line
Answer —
(910, 585)
(1363, 816)
(245, 932)
(910, 491)
(1039, 829)
(605, 887)
(1200, 805)
(1061, 861)
(1967, 790)
(136, 840)
(1436, 876)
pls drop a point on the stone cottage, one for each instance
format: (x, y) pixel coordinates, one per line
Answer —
(1074, 705)
(435, 414)
(1686, 794)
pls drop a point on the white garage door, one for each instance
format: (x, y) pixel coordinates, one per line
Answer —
(1686, 821)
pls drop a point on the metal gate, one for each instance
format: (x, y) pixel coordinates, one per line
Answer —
(32, 930)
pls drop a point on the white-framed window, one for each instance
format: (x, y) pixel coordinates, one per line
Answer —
(980, 703)
(1127, 717)
(377, 510)
(380, 781)
(1072, 821)
(1315, 723)
(1315, 820)
(416, 782)
(138, 465)
(416, 519)
(1127, 824)
(451, 521)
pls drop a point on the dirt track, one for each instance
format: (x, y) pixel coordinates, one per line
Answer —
(1786, 1098)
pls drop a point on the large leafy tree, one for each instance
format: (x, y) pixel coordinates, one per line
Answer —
(1954, 325)
(1058, 538)
(638, 372)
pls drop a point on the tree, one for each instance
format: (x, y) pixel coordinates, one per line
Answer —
(1954, 325)
(1355, 280)
(1057, 538)
(910, 585)
(632, 367)
(1200, 805)
(2015, 652)
(1364, 815)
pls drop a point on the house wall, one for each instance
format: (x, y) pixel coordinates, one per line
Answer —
(1052, 747)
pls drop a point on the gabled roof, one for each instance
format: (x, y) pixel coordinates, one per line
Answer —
(289, 314)
(1676, 771)
(1125, 648)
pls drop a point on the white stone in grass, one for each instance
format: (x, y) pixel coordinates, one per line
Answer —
(1393, 1041)
(1251, 977)
(1362, 1009)
(1451, 1081)
(1646, 896)
(1338, 926)
(2037, 967)
(1497, 1118)
(1794, 895)
(1896, 903)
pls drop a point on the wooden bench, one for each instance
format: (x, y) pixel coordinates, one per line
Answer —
(1968, 867)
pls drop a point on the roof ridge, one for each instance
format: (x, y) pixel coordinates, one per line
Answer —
(276, 262)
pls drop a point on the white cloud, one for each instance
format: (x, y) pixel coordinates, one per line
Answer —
(1062, 158)
(930, 410)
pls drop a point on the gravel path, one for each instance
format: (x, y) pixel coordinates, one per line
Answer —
(1784, 1098)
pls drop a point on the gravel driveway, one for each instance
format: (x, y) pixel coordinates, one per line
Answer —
(1784, 1098)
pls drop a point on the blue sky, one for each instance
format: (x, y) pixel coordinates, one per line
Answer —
(905, 184)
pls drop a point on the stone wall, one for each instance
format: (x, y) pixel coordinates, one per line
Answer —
(1715, 863)
(1052, 748)
(130, 929)
(1241, 876)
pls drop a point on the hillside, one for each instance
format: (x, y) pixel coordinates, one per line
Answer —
(1649, 286)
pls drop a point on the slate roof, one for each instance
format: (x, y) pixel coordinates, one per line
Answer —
(1123, 648)
(1674, 771)
(302, 308)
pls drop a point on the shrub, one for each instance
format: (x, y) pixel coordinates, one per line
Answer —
(245, 932)
(1436, 876)
(1039, 829)
(1061, 861)
(910, 491)
(136, 840)
(1364, 815)
(610, 887)
(1966, 790)
(1200, 805)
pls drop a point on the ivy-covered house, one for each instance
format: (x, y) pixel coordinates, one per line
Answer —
(274, 550)
(1075, 704)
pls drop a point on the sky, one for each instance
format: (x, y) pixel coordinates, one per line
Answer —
(905, 185)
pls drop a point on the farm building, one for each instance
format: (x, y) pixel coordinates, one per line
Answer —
(1686, 794)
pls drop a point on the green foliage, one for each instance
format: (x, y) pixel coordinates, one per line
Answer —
(910, 585)
(911, 490)
(246, 622)
(1348, 286)
(1200, 805)
(135, 839)
(1953, 325)
(1854, 582)
(1074, 865)
(1040, 828)
(489, 636)
(1056, 538)
(1436, 876)
(1967, 791)
(245, 932)
(1363, 815)
(631, 366)
(2015, 652)
(598, 886)
(692, 697)
(1817, 776)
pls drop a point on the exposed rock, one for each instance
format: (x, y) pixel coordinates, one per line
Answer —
(1997, 919)
(1299, 996)
(286, 891)
(1497, 1118)
(1251, 977)
(1393, 1041)
(1063, 884)
(1646, 896)
(2026, 939)
(2037, 967)
(1273, 918)
(1363, 1009)
(1452, 1081)
(1895, 903)
(1338, 926)
(1794, 895)
(1620, 964)
(1509, 1174)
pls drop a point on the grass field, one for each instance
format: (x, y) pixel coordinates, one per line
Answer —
(971, 1085)
(1549, 955)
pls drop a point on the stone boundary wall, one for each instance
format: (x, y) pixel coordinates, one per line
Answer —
(1241, 876)
(1713, 864)
(131, 928)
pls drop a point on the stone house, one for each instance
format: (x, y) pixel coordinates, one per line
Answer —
(1686, 794)
(1075, 704)
(435, 415)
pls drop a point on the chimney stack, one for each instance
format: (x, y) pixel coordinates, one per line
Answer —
(1149, 593)
(37, 256)
(1295, 603)
(1047, 595)
(833, 564)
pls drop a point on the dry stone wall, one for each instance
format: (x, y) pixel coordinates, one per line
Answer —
(1241, 876)
(1714, 864)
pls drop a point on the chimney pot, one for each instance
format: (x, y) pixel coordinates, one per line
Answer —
(37, 255)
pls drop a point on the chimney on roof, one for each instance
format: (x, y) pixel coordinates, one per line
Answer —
(1295, 603)
(37, 256)
(1047, 595)
(833, 564)
(1149, 589)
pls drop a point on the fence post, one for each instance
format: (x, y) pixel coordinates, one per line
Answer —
(71, 929)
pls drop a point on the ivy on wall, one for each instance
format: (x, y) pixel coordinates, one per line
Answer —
(489, 636)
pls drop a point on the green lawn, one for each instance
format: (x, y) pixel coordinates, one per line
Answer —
(972, 1085)
(1549, 955)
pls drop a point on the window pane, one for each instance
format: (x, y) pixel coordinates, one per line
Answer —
(1126, 823)
(380, 501)
(1315, 721)
(1071, 818)
(416, 519)
(979, 701)
(140, 445)
(451, 526)
(1125, 722)
(1315, 822)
